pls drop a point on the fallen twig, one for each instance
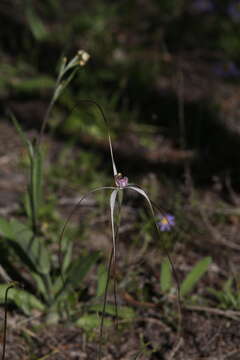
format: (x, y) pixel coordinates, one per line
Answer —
(234, 315)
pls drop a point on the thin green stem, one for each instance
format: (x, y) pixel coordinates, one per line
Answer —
(5, 322)
(119, 202)
(47, 114)
(48, 284)
(104, 304)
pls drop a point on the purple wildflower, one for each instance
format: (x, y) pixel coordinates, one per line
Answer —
(166, 222)
(234, 10)
(121, 181)
(201, 6)
(226, 70)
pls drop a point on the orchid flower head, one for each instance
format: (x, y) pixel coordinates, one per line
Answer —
(121, 181)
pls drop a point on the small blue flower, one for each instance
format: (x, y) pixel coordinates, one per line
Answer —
(166, 222)
(202, 6)
(234, 10)
(226, 70)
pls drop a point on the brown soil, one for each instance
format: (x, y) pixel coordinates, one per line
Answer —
(208, 332)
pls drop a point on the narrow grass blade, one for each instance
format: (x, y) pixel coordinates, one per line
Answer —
(195, 275)
(35, 189)
(89, 322)
(166, 276)
(125, 312)
(6, 229)
(80, 268)
(229, 293)
(19, 130)
(102, 280)
(63, 84)
(36, 25)
(30, 249)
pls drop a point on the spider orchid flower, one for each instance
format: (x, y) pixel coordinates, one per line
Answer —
(121, 181)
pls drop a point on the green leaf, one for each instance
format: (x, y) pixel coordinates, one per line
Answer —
(31, 249)
(23, 299)
(58, 286)
(238, 299)
(195, 275)
(89, 322)
(35, 189)
(166, 276)
(33, 85)
(21, 133)
(227, 287)
(41, 287)
(67, 254)
(124, 312)
(217, 293)
(102, 280)
(34, 196)
(229, 293)
(36, 25)
(80, 268)
(63, 84)
(27, 205)
(6, 229)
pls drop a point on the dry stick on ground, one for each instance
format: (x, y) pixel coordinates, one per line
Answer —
(230, 314)
(216, 234)
(177, 346)
(156, 321)
(230, 354)
(214, 337)
(233, 196)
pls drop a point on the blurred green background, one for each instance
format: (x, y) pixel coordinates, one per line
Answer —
(166, 73)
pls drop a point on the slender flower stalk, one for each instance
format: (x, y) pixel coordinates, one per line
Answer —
(10, 286)
(80, 59)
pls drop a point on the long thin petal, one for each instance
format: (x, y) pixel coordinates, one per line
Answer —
(112, 208)
(112, 157)
(142, 192)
